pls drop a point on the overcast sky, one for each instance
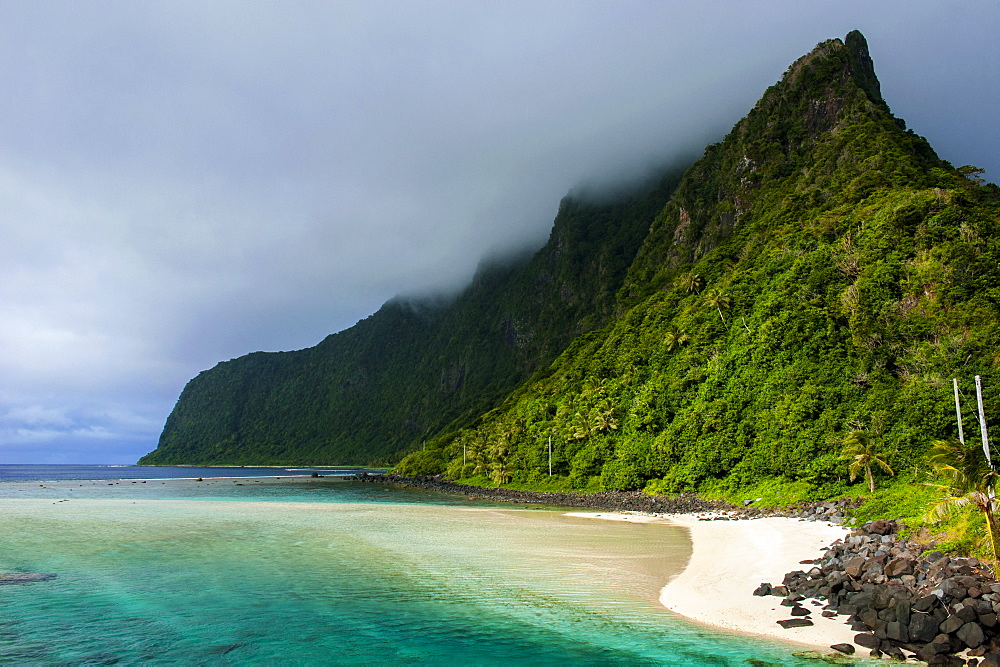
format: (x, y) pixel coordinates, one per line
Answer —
(186, 182)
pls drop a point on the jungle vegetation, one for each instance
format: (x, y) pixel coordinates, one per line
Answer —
(818, 272)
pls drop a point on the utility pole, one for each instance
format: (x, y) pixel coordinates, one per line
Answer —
(958, 411)
(982, 421)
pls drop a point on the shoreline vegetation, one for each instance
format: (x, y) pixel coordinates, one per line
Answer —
(799, 576)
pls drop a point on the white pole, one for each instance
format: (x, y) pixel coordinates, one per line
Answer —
(463, 453)
(958, 411)
(982, 420)
(550, 456)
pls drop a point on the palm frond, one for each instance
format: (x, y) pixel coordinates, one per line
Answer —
(943, 507)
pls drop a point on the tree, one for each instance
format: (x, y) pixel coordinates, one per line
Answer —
(969, 480)
(860, 449)
(691, 282)
(719, 301)
(674, 339)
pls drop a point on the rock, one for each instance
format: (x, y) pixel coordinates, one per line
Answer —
(926, 603)
(897, 632)
(952, 588)
(923, 628)
(795, 623)
(866, 639)
(799, 611)
(951, 624)
(898, 567)
(847, 649)
(971, 635)
(880, 527)
(892, 651)
(990, 660)
(763, 589)
(967, 614)
(855, 566)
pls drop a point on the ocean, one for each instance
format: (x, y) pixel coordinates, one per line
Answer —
(303, 571)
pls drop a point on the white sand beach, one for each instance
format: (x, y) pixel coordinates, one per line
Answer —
(731, 558)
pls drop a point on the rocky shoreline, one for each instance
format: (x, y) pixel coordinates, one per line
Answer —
(621, 501)
(902, 602)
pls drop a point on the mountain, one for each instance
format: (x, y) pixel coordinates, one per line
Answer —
(422, 366)
(818, 271)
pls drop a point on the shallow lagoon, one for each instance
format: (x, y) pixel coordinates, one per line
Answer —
(307, 572)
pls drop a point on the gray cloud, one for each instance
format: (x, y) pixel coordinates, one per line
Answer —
(186, 182)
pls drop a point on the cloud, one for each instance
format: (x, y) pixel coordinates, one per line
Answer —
(186, 182)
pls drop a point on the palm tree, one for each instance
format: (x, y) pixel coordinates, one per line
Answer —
(580, 428)
(970, 480)
(674, 339)
(719, 300)
(860, 450)
(692, 282)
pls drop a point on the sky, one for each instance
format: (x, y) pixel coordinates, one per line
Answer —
(182, 183)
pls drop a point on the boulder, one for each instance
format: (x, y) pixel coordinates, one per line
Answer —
(795, 623)
(952, 588)
(896, 631)
(855, 566)
(880, 527)
(967, 613)
(950, 625)
(926, 603)
(971, 635)
(898, 567)
(923, 627)
(847, 649)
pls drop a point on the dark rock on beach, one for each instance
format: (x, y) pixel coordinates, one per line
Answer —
(902, 603)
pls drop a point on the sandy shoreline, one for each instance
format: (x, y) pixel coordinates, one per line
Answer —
(731, 558)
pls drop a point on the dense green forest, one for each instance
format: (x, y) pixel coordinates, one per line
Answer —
(818, 272)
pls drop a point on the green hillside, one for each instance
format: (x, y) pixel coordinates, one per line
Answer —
(417, 367)
(819, 271)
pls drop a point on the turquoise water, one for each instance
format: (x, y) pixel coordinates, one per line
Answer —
(336, 573)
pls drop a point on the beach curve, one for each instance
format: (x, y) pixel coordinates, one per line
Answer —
(730, 559)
